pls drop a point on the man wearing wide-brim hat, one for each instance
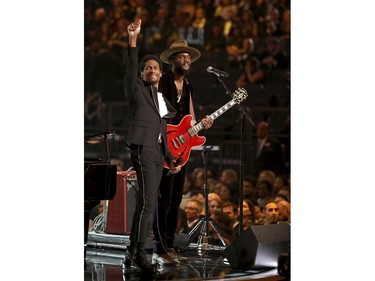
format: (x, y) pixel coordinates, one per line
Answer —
(177, 88)
(180, 46)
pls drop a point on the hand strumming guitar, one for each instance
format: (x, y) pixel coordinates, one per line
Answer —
(173, 169)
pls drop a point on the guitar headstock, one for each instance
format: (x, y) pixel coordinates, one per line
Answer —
(239, 95)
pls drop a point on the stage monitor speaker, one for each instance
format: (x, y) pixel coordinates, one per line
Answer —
(259, 246)
(121, 207)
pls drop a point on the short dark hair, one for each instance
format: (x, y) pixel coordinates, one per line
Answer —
(266, 183)
(146, 58)
(231, 204)
(282, 196)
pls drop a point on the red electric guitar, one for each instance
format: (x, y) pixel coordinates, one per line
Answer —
(183, 137)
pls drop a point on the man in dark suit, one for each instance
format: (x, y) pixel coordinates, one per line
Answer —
(147, 142)
(269, 152)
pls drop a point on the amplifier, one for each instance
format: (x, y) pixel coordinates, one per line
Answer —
(121, 207)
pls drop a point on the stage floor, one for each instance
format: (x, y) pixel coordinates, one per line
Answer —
(105, 255)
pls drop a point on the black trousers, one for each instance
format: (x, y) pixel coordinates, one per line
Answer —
(165, 217)
(148, 164)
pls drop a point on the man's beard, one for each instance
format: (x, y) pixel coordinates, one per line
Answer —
(180, 70)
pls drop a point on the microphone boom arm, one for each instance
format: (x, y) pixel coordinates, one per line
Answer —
(228, 92)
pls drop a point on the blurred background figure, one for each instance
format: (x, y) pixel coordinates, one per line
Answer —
(269, 151)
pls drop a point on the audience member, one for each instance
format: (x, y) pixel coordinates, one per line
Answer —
(229, 176)
(208, 6)
(284, 210)
(264, 191)
(224, 229)
(271, 213)
(267, 175)
(119, 38)
(185, 8)
(259, 216)
(211, 196)
(94, 213)
(211, 182)
(215, 204)
(269, 153)
(198, 195)
(248, 23)
(279, 182)
(248, 216)
(215, 44)
(181, 221)
(261, 11)
(227, 11)
(198, 179)
(273, 56)
(199, 20)
(186, 191)
(245, 51)
(196, 28)
(183, 22)
(248, 188)
(286, 192)
(217, 186)
(231, 209)
(94, 20)
(254, 72)
(193, 211)
(280, 197)
(228, 192)
(235, 46)
(161, 32)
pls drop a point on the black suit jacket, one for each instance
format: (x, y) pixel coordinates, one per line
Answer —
(146, 123)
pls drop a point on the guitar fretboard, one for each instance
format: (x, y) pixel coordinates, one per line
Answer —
(222, 109)
(196, 128)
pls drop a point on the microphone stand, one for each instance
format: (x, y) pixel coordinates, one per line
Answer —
(225, 86)
(206, 221)
(242, 114)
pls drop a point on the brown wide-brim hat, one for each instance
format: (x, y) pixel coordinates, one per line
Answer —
(180, 46)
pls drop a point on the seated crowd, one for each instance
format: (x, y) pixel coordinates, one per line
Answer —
(265, 200)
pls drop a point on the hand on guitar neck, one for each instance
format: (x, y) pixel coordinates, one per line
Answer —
(207, 122)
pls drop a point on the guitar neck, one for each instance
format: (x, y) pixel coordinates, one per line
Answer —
(199, 126)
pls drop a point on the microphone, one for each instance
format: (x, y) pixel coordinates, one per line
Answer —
(218, 72)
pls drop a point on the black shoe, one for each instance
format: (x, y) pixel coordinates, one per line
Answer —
(127, 262)
(140, 260)
(128, 257)
(177, 256)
